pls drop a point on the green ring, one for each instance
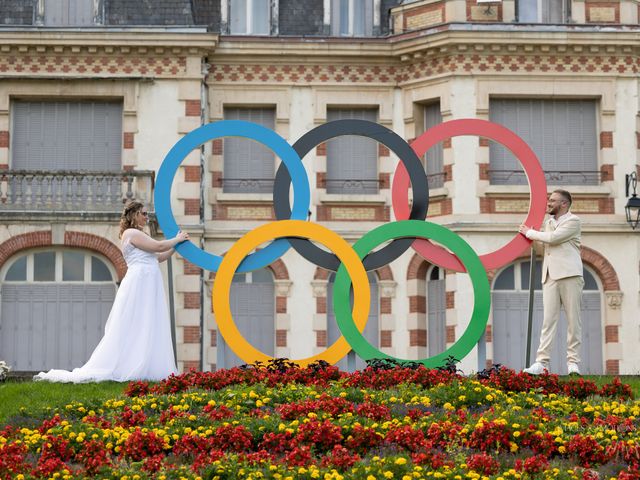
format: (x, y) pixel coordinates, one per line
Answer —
(416, 228)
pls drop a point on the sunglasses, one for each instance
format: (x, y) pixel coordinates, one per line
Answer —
(146, 214)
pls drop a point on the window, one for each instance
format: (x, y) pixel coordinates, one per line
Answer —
(68, 13)
(352, 161)
(543, 11)
(65, 135)
(562, 133)
(436, 311)
(252, 301)
(352, 18)
(249, 17)
(249, 166)
(371, 331)
(510, 308)
(433, 158)
(58, 266)
(54, 307)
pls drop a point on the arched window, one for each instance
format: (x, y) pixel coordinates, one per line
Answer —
(252, 300)
(436, 312)
(510, 305)
(371, 331)
(54, 306)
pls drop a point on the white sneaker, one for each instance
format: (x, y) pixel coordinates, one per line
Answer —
(573, 368)
(536, 369)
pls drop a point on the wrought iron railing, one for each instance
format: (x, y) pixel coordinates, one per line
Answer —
(247, 185)
(73, 191)
(340, 186)
(348, 186)
(436, 180)
(563, 177)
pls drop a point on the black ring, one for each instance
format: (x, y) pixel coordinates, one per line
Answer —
(393, 142)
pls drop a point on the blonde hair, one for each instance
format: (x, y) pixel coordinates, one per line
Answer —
(127, 219)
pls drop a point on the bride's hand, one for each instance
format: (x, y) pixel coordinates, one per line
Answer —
(182, 236)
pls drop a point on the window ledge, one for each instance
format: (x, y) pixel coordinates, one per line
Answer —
(355, 198)
(440, 192)
(582, 190)
(244, 197)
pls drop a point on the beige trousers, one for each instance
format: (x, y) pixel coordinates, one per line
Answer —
(565, 292)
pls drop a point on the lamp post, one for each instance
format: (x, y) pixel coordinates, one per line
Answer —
(632, 209)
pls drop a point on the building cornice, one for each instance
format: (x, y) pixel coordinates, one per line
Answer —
(176, 41)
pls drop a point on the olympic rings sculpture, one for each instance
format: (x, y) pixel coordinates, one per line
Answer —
(351, 262)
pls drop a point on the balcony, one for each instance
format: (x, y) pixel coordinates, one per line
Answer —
(72, 193)
(518, 177)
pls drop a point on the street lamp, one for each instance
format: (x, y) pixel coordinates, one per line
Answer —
(633, 204)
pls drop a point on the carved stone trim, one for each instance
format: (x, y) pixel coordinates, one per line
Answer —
(319, 288)
(614, 299)
(387, 288)
(283, 287)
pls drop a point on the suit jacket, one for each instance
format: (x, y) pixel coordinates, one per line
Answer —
(561, 247)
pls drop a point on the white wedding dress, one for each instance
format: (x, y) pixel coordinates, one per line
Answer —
(137, 338)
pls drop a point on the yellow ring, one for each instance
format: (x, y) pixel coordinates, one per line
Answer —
(287, 228)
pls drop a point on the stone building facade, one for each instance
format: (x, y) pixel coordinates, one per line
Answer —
(565, 78)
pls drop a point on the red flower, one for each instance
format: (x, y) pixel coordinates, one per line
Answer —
(532, 465)
(323, 435)
(489, 437)
(12, 459)
(93, 456)
(129, 418)
(588, 451)
(142, 445)
(408, 438)
(483, 463)
(340, 458)
(234, 438)
(137, 389)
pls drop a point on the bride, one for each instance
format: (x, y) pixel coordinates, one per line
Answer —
(137, 338)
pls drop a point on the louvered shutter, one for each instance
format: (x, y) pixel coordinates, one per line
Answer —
(434, 157)
(249, 166)
(352, 161)
(371, 330)
(253, 309)
(68, 13)
(562, 133)
(436, 314)
(67, 136)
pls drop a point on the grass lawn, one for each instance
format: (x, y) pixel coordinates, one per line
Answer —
(24, 402)
(36, 397)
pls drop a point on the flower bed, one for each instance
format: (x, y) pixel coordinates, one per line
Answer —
(284, 423)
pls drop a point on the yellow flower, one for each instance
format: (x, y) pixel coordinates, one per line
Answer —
(400, 461)
(388, 474)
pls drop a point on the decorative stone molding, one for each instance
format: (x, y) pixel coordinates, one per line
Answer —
(283, 287)
(387, 288)
(319, 288)
(614, 299)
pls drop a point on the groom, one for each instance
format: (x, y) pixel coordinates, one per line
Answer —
(562, 280)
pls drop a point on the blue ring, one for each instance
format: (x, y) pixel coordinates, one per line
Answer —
(211, 131)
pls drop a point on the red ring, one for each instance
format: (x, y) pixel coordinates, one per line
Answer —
(535, 175)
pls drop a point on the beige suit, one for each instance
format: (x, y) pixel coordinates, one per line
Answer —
(562, 284)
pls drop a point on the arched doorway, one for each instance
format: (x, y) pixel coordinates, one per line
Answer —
(510, 303)
(436, 311)
(54, 304)
(252, 300)
(371, 331)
